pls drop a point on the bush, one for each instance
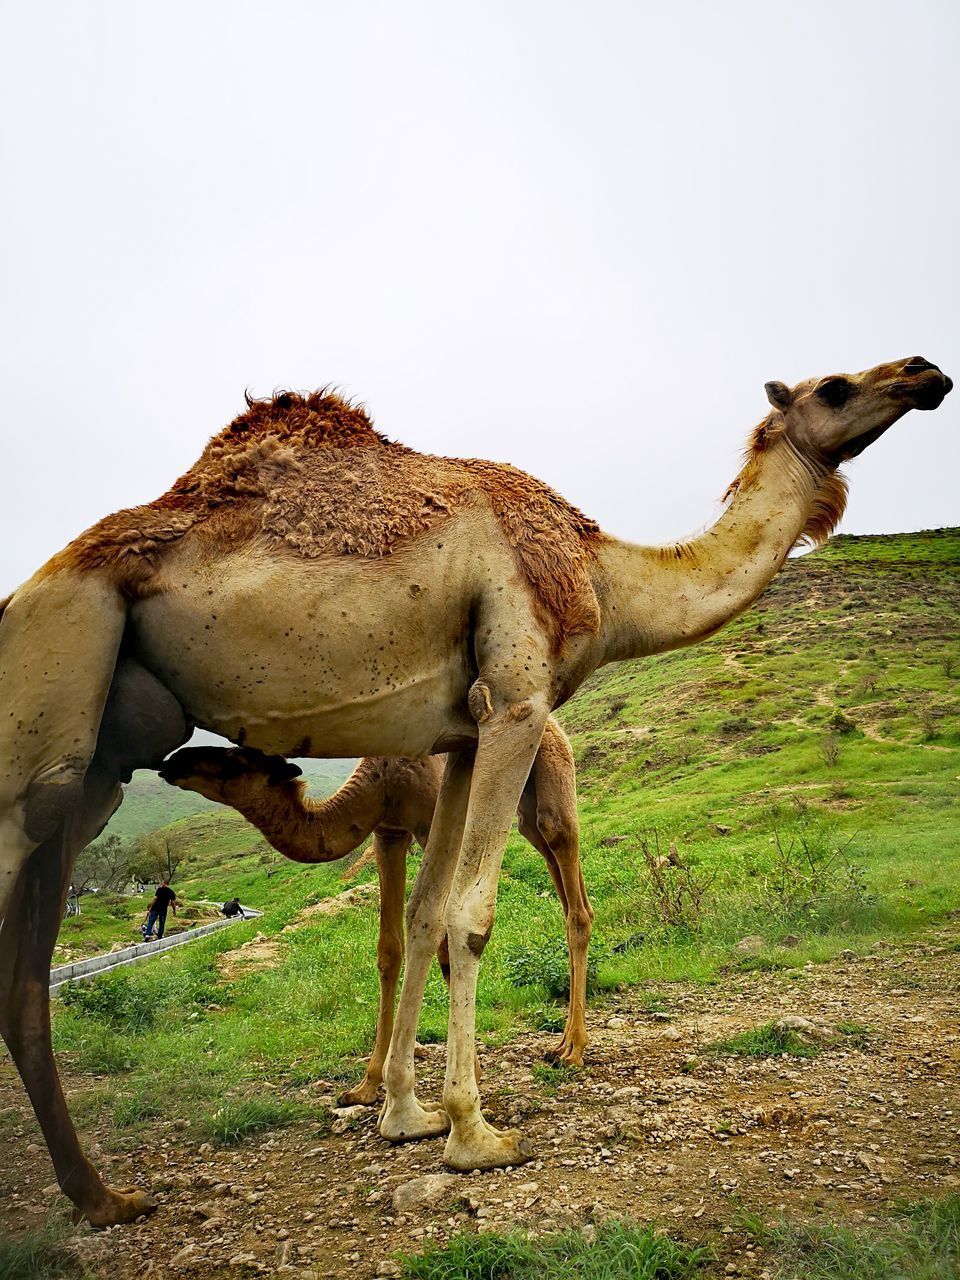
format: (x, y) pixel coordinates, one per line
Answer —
(679, 894)
(548, 965)
(114, 999)
(810, 869)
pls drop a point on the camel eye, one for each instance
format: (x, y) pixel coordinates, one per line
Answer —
(835, 391)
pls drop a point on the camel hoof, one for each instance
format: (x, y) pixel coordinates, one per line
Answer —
(364, 1094)
(565, 1054)
(408, 1121)
(484, 1147)
(118, 1207)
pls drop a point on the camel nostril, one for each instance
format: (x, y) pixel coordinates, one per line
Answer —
(947, 384)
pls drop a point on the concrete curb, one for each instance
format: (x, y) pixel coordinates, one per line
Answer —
(94, 966)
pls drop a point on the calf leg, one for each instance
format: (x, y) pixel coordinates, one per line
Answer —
(391, 849)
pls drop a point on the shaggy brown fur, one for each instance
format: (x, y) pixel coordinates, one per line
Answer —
(311, 472)
(829, 502)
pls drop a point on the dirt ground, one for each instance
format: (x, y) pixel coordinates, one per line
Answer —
(654, 1128)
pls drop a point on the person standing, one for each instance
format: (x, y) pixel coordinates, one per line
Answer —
(163, 899)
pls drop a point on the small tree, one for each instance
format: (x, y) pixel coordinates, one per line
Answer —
(158, 857)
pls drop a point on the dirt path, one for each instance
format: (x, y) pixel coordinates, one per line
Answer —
(655, 1127)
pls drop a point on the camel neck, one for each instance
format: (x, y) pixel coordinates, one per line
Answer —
(659, 598)
(309, 830)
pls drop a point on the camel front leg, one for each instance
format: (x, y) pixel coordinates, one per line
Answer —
(390, 849)
(403, 1117)
(508, 741)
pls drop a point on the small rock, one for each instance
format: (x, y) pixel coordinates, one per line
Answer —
(425, 1191)
(749, 946)
(722, 829)
(806, 1029)
(791, 940)
(388, 1268)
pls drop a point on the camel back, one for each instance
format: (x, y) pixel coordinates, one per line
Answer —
(312, 473)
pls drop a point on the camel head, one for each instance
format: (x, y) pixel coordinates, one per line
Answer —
(834, 418)
(226, 774)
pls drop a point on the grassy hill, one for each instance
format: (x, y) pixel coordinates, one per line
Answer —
(799, 771)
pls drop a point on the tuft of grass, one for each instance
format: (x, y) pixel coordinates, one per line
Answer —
(131, 1108)
(922, 1242)
(235, 1121)
(618, 1250)
(552, 1075)
(102, 1052)
(766, 1041)
(40, 1255)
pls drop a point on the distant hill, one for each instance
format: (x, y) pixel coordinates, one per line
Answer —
(150, 803)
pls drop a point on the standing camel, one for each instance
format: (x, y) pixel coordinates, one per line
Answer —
(395, 799)
(310, 588)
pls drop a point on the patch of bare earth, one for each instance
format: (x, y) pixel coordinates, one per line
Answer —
(259, 953)
(656, 1127)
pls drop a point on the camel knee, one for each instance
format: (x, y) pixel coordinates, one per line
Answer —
(553, 828)
(389, 955)
(469, 928)
(581, 920)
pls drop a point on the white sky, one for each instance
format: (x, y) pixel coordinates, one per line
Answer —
(574, 236)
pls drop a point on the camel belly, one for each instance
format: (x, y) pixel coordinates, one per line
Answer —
(338, 657)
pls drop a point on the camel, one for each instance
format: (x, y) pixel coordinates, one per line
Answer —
(395, 799)
(310, 588)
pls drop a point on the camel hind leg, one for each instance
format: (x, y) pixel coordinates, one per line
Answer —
(141, 722)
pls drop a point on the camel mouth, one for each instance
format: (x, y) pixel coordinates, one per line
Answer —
(927, 390)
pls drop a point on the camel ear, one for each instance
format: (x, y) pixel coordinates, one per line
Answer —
(283, 770)
(779, 394)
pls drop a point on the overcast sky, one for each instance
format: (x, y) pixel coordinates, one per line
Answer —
(574, 236)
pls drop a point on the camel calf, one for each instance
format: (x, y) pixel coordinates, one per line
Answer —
(395, 798)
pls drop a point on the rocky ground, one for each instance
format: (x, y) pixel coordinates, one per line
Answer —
(655, 1127)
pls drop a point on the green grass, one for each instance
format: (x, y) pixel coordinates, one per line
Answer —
(919, 1242)
(235, 1121)
(40, 1255)
(768, 1041)
(727, 734)
(620, 1251)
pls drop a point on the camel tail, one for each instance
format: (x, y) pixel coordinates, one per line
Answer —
(59, 638)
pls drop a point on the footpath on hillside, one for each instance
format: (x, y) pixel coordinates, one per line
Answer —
(656, 1127)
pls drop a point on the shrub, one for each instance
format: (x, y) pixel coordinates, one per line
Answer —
(548, 965)
(810, 868)
(114, 999)
(679, 895)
